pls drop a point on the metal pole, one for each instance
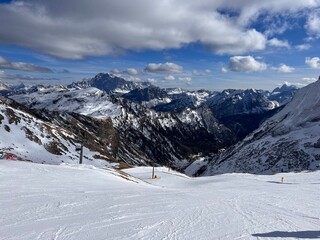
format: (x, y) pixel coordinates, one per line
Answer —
(152, 172)
(81, 153)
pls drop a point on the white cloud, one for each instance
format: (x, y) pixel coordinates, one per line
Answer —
(21, 66)
(21, 77)
(230, 43)
(186, 80)
(116, 71)
(130, 71)
(313, 62)
(283, 68)
(309, 79)
(132, 78)
(201, 72)
(169, 78)
(274, 42)
(313, 24)
(246, 64)
(303, 47)
(224, 70)
(275, 26)
(152, 80)
(163, 68)
(75, 29)
(297, 84)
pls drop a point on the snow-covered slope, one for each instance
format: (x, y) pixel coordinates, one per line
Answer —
(288, 141)
(89, 101)
(32, 139)
(80, 203)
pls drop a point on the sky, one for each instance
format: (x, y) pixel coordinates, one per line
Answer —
(203, 44)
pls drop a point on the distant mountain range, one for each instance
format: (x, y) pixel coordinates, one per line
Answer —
(139, 124)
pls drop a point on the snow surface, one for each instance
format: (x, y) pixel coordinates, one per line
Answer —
(82, 202)
(90, 101)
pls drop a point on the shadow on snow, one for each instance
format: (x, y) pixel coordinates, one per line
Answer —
(282, 234)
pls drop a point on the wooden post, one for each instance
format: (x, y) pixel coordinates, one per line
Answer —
(81, 153)
(152, 172)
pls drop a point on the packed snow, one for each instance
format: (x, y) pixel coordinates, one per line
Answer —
(83, 202)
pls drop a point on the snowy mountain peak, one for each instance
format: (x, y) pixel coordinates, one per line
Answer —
(110, 83)
(283, 94)
(90, 101)
(285, 88)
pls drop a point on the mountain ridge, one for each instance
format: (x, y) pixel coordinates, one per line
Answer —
(151, 125)
(287, 141)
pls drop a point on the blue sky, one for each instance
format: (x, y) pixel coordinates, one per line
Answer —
(194, 45)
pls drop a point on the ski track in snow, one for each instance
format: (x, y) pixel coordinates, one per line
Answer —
(79, 202)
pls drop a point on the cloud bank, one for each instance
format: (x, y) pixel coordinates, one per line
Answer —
(313, 62)
(246, 64)
(21, 66)
(75, 29)
(163, 68)
(283, 68)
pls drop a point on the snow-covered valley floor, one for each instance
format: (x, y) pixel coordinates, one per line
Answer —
(72, 202)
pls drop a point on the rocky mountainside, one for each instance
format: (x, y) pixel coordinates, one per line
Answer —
(149, 125)
(50, 137)
(242, 111)
(145, 135)
(109, 83)
(288, 141)
(283, 94)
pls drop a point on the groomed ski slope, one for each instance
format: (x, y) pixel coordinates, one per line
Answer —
(82, 202)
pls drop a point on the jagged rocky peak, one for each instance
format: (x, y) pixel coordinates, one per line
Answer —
(233, 102)
(285, 88)
(283, 94)
(110, 83)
